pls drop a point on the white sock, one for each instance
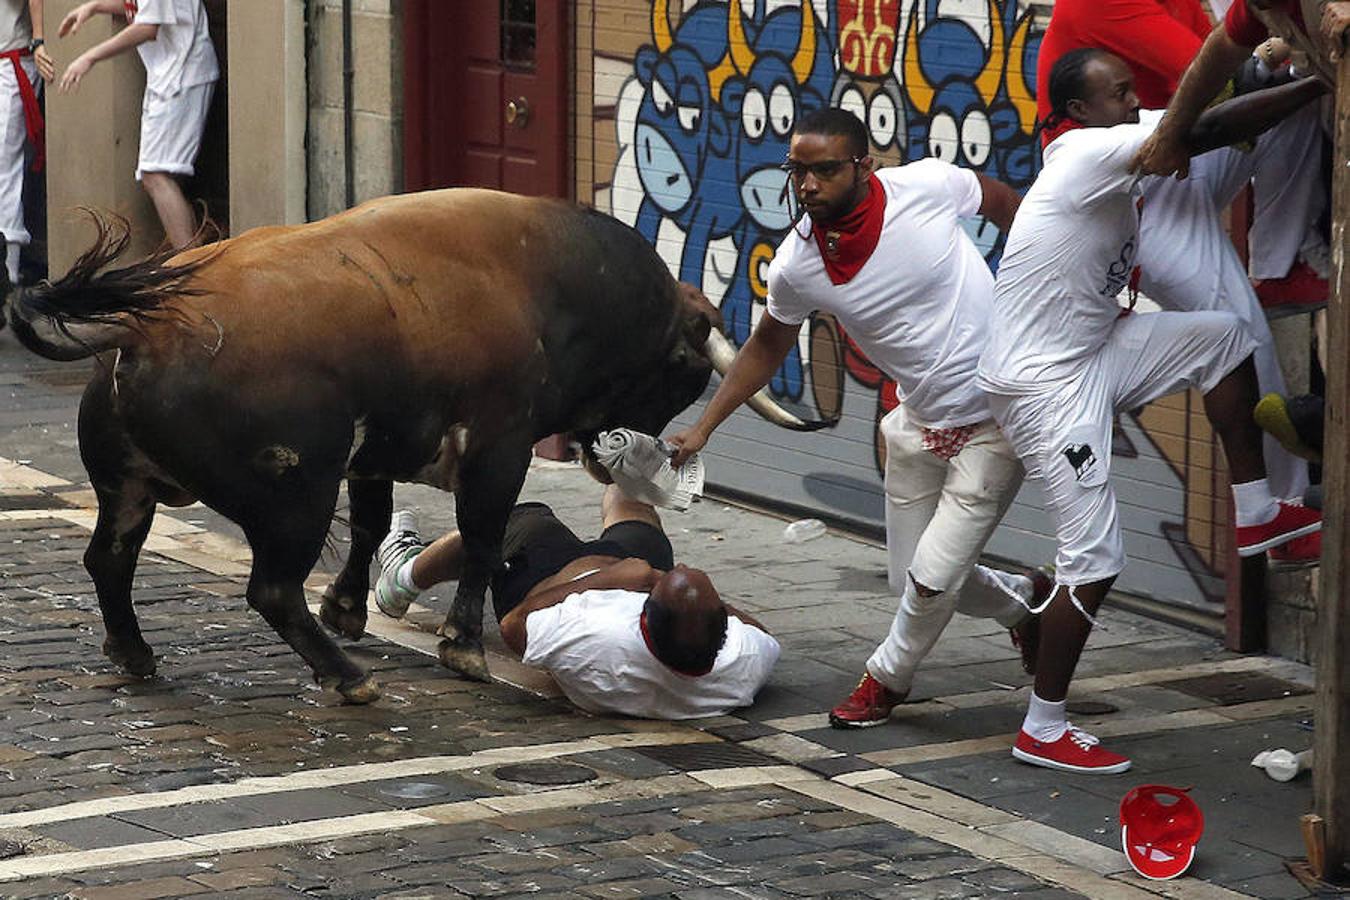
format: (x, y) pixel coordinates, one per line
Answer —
(404, 578)
(1253, 503)
(1045, 721)
(12, 261)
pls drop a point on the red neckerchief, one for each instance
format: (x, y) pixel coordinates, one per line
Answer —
(651, 648)
(1049, 133)
(847, 244)
(32, 112)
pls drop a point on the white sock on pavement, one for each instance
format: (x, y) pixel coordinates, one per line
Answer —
(1045, 721)
(404, 577)
(1253, 503)
(12, 261)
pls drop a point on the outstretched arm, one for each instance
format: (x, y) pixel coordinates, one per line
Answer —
(1245, 117)
(755, 364)
(1165, 152)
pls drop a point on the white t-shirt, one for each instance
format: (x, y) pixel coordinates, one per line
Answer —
(15, 29)
(919, 307)
(592, 645)
(182, 55)
(1070, 251)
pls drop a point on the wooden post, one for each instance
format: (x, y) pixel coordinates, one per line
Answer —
(1331, 763)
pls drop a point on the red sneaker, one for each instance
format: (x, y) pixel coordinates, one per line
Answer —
(1302, 289)
(1293, 521)
(1299, 551)
(870, 704)
(1026, 634)
(1075, 751)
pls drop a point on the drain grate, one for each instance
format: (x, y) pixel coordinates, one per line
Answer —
(551, 774)
(694, 757)
(1228, 688)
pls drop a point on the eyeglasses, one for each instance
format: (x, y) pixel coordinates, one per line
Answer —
(823, 170)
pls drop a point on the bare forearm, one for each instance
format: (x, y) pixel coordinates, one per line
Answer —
(1245, 117)
(35, 17)
(1219, 57)
(755, 364)
(126, 39)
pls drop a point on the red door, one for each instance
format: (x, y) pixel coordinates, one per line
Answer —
(485, 95)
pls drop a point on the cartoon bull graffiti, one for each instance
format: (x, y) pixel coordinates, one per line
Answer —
(425, 337)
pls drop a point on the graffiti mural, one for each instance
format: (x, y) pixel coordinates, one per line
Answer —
(695, 101)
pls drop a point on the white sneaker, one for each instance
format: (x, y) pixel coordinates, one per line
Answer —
(401, 544)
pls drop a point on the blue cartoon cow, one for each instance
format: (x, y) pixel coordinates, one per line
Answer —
(683, 139)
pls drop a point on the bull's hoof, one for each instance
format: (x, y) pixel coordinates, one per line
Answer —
(367, 690)
(465, 658)
(135, 658)
(340, 617)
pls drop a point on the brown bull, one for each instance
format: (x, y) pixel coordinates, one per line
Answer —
(430, 337)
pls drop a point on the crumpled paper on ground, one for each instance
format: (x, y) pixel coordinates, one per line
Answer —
(640, 466)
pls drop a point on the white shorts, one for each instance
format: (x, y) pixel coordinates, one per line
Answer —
(171, 130)
(1063, 433)
(13, 140)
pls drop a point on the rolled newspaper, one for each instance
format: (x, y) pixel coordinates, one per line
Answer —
(640, 466)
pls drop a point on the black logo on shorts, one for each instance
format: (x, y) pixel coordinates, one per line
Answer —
(1081, 457)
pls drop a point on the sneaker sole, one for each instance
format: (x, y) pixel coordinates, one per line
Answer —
(836, 722)
(390, 607)
(1026, 757)
(1277, 540)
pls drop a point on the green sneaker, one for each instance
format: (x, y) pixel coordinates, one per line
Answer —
(401, 544)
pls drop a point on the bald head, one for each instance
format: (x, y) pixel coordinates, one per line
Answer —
(686, 620)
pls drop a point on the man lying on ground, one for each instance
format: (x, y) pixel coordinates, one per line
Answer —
(618, 624)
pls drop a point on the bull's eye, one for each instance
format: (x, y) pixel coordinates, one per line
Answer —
(943, 141)
(976, 136)
(881, 119)
(753, 114)
(782, 109)
(689, 116)
(661, 97)
(852, 100)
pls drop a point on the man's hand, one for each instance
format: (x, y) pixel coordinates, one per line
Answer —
(1162, 155)
(686, 443)
(45, 66)
(1335, 20)
(76, 18)
(70, 78)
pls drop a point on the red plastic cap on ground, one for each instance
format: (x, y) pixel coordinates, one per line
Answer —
(1159, 829)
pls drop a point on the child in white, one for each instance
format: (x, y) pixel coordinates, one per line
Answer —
(20, 118)
(174, 44)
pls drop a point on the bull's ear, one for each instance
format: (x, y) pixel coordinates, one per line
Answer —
(644, 62)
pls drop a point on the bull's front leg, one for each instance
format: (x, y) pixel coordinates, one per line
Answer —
(344, 602)
(490, 481)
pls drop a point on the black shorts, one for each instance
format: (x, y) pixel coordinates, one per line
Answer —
(537, 546)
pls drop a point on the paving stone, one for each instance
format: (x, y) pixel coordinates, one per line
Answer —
(645, 887)
(92, 834)
(141, 890)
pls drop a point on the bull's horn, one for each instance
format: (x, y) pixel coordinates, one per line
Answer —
(992, 76)
(661, 25)
(1021, 101)
(722, 355)
(916, 85)
(742, 57)
(805, 59)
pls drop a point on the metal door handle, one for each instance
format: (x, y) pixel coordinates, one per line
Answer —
(517, 112)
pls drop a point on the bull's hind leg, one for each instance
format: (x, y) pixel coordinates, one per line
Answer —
(286, 543)
(125, 513)
(344, 603)
(490, 481)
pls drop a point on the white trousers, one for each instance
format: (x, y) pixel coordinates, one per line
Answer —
(13, 138)
(939, 515)
(1188, 261)
(1063, 433)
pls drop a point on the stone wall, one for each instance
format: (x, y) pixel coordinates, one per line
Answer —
(377, 108)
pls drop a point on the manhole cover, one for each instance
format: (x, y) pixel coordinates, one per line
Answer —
(1091, 707)
(415, 790)
(693, 757)
(1228, 688)
(545, 773)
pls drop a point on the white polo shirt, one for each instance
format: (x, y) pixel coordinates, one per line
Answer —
(182, 55)
(592, 645)
(1069, 254)
(919, 307)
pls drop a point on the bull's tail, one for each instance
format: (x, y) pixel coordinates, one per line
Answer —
(93, 307)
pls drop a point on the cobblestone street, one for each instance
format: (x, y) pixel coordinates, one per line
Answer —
(230, 773)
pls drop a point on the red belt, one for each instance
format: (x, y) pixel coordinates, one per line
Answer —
(32, 113)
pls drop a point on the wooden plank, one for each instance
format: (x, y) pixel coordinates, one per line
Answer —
(1331, 777)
